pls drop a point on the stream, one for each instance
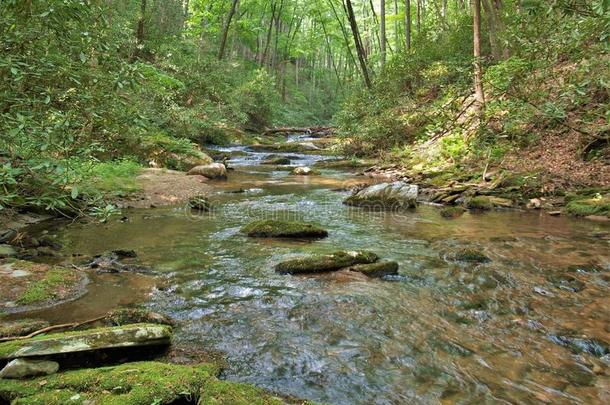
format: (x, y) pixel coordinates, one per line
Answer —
(532, 325)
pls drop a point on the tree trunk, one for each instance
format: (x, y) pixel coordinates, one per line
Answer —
(418, 16)
(493, 34)
(408, 22)
(140, 33)
(225, 32)
(357, 40)
(478, 71)
(383, 34)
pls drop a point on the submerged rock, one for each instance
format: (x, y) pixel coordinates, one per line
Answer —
(277, 161)
(112, 263)
(283, 229)
(200, 203)
(23, 368)
(397, 195)
(211, 171)
(88, 340)
(125, 316)
(324, 263)
(452, 212)
(469, 255)
(379, 269)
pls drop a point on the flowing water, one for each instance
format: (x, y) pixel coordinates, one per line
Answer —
(531, 326)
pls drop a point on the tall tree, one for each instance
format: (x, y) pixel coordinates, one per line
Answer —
(478, 70)
(225, 31)
(359, 48)
(408, 23)
(383, 33)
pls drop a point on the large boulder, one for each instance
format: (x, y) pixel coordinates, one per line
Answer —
(89, 340)
(397, 195)
(23, 368)
(283, 229)
(211, 171)
(324, 263)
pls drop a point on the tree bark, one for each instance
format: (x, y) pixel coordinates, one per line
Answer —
(383, 34)
(225, 32)
(359, 49)
(408, 23)
(478, 71)
(140, 33)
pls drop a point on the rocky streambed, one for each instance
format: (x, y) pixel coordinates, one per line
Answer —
(466, 305)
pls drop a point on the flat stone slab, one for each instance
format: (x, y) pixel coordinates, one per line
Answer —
(88, 340)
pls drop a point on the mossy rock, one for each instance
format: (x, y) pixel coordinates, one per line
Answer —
(283, 229)
(452, 212)
(375, 270)
(21, 327)
(326, 263)
(487, 203)
(599, 205)
(469, 255)
(88, 340)
(200, 203)
(27, 285)
(127, 384)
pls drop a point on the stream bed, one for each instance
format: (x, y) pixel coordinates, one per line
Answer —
(532, 325)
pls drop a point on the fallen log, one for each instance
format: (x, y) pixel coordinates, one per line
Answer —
(300, 130)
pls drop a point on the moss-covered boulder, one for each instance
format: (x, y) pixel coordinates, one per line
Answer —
(135, 335)
(324, 263)
(452, 212)
(283, 229)
(23, 368)
(597, 205)
(483, 202)
(127, 384)
(379, 269)
(387, 196)
(140, 383)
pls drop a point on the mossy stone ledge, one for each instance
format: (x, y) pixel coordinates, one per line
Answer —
(88, 340)
(283, 229)
(326, 263)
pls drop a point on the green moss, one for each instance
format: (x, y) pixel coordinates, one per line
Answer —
(323, 263)
(46, 289)
(223, 392)
(598, 205)
(283, 229)
(379, 269)
(133, 383)
(452, 212)
(479, 203)
(140, 383)
(469, 255)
